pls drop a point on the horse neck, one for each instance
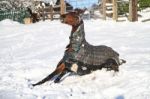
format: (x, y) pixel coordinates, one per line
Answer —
(77, 37)
(78, 29)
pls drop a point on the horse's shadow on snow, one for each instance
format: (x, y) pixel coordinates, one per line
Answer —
(120, 97)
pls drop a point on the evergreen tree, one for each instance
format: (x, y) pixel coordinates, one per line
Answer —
(14, 4)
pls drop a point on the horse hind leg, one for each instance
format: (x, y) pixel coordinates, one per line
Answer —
(111, 64)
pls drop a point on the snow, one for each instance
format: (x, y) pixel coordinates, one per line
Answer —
(28, 53)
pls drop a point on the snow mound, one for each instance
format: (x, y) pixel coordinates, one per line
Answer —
(8, 22)
(28, 53)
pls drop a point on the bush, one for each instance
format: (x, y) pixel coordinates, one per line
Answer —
(143, 4)
(14, 4)
(123, 8)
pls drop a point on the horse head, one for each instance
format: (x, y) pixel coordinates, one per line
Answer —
(72, 18)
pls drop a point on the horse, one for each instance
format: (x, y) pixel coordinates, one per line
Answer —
(33, 16)
(80, 57)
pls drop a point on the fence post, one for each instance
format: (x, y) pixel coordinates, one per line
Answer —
(133, 10)
(104, 9)
(43, 14)
(51, 12)
(115, 8)
(62, 7)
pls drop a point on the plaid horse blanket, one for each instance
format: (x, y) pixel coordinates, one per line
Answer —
(87, 55)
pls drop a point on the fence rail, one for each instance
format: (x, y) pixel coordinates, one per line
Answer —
(16, 15)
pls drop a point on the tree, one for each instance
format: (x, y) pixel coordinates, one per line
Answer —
(144, 4)
(14, 4)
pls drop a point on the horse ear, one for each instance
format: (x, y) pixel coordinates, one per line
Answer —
(80, 11)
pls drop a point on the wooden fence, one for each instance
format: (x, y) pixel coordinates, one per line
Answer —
(120, 8)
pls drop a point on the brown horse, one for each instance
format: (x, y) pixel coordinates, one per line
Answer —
(33, 16)
(80, 57)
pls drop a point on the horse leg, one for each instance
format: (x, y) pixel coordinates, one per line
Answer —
(57, 80)
(111, 65)
(60, 68)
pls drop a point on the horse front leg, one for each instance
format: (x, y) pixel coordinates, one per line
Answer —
(60, 68)
(57, 80)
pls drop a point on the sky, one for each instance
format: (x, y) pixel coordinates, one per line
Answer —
(82, 3)
(79, 3)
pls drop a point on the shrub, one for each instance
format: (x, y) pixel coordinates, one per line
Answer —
(143, 4)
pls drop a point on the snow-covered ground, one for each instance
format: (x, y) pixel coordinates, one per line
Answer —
(28, 53)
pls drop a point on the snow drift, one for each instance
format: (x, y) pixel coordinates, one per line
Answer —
(30, 52)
